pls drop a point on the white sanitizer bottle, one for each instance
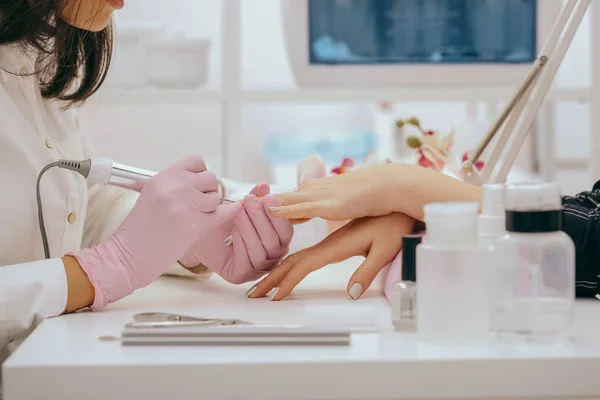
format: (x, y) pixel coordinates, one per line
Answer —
(533, 275)
(453, 291)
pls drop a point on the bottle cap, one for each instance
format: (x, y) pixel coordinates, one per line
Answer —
(450, 210)
(409, 257)
(533, 208)
(492, 200)
(533, 197)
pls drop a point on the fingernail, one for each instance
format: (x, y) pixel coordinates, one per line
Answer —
(272, 294)
(250, 291)
(355, 291)
(274, 209)
(229, 241)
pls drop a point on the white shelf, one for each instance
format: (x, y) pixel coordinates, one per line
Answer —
(399, 95)
(137, 96)
(145, 96)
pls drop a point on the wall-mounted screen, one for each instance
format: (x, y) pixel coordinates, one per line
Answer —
(433, 43)
(422, 31)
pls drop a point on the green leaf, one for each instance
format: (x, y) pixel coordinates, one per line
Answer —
(413, 142)
(399, 123)
(414, 121)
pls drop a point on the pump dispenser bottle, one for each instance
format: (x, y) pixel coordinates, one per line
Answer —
(491, 221)
(453, 296)
(533, 278)
(403, 297)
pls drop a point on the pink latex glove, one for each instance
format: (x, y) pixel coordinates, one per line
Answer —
(260, 241)
(175, 207)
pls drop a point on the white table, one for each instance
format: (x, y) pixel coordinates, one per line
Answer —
(63, 358)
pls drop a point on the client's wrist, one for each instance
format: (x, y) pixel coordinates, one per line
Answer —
(397, 185)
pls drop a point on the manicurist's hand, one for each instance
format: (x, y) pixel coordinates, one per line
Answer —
(373, 191)
(260, 241)
(177, 206)
(379, 239)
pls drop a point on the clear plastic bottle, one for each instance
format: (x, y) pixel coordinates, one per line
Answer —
(453, 292)
(533, 276)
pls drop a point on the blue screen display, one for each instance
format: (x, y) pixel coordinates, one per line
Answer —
(422, 31)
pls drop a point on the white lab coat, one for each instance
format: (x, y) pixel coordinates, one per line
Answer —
(34, 133)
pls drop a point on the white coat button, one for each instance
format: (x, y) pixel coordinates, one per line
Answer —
(49, 144)
(72, 217)
(24, 71)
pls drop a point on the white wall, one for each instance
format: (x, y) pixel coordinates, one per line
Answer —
(154, 135)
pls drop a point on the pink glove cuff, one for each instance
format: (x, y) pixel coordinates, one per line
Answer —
(104, 269)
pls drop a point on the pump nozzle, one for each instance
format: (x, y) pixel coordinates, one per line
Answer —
(491, 223)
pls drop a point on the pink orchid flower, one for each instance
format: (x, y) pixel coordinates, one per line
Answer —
(347, 165)
(435, 160)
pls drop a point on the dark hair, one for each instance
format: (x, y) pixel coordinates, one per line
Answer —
(77, 60)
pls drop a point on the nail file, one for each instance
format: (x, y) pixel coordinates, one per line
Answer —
(227, 341)
(263, 335)
(242, 331)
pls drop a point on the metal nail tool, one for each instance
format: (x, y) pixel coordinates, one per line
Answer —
(168, 320)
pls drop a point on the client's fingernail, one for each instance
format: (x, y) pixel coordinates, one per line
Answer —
(355, 291)
(271, 295)
(274, 209)
(250, 291)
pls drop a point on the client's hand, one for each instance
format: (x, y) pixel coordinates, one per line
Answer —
(355, 194)
(260, 241)
(373, 191)
(379, 239)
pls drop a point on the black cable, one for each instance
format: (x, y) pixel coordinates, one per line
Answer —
(40, 211)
